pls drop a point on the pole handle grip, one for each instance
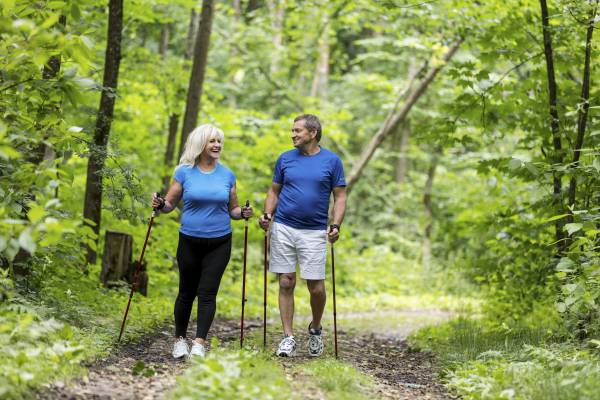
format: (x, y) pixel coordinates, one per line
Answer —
(156, 209)
(246, 206)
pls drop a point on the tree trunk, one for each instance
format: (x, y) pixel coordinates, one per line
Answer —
(557, 155)
(93, 189)
(582, 115)
(252, 6)
(395, 118)
(237, 7)
(321, 79)
(402, 152)
(194, 94)
(170, 152)
(277, 11)
(163, 43)
(44, 152)
(428, 208)
(191, 35)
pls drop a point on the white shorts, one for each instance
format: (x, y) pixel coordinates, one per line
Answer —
(291, 246)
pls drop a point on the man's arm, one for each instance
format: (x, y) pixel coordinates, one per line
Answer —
(270, 205)
(339, 209)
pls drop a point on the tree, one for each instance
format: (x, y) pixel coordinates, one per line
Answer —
(93, 190)
(194, 93)
(394, 118)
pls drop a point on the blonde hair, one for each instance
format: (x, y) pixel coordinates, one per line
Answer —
(197, 141)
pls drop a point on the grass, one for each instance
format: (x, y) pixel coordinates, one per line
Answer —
(336, 379)
(47, 333)
(251, 373)
(227, 373)
(482, 361)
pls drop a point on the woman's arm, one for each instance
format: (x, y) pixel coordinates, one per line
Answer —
(171, 199)
(235, 211)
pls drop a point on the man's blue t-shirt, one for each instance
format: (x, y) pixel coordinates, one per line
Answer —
(205, 200)
(307, 184)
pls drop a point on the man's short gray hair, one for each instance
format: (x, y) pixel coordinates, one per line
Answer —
(311, 122)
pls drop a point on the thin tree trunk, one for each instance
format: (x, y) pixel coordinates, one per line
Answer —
(163, 43)
(170, 152)
(237, 7)
(277, 10)
(395, 118)
(252, 6)
(557, 156)
(402, 152)
(194, 94)
(582, 116)
(321, 79)
(191, 35)
(93, 189)
(44, 152)
(428, 208)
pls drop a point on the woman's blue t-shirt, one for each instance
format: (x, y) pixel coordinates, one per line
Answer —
(205, 200)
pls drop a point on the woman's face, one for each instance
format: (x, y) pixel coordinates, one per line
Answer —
(213, 149)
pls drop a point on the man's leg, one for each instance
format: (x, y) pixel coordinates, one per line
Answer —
(287, 283)
(317, 301)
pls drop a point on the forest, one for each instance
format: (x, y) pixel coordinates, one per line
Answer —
(468, 263)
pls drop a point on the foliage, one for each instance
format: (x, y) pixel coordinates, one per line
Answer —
(338, 380)
(232, 373)
(494, 209)
(527, 362)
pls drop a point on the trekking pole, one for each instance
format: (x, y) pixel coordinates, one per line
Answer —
(266, 263)
(137, 270)
(244, 280)
(334, 309)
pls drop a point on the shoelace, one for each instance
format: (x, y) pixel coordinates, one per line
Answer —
(288, 343)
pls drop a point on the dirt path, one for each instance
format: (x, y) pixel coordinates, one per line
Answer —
(139, 371)
(375, 343)
(381, 352)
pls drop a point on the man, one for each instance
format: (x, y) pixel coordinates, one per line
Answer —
(303, 181)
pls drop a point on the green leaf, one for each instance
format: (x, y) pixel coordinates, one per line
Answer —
(554, 218)
(565, 265)
(36, 212)
(138, 368)
(572, 228)
(561, 307)
(570, 300)
(514, 164)
(12, 249)
(26, 241)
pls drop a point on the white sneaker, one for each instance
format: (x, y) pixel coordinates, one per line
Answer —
(287, 347)
(198, 349)
(180, 348)
(315, 342)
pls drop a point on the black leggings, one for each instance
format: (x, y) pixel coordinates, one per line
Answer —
(202, 262)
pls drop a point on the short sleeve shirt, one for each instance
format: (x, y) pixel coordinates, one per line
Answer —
(205, 200)
(307, 183)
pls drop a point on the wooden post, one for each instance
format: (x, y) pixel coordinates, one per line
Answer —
(116, 259)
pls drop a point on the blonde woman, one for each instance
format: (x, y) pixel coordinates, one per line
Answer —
(209, 203)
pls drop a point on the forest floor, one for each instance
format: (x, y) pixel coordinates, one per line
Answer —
(374, 343)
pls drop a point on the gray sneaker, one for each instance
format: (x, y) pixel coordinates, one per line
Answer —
(198, 349)
(180, 348)
(287, 347)
(315, 341)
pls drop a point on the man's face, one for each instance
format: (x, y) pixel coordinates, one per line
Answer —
(300, 135)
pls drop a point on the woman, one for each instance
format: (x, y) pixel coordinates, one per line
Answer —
(209, 203)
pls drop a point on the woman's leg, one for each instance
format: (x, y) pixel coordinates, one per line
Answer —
(213, 266)
(189, 253)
